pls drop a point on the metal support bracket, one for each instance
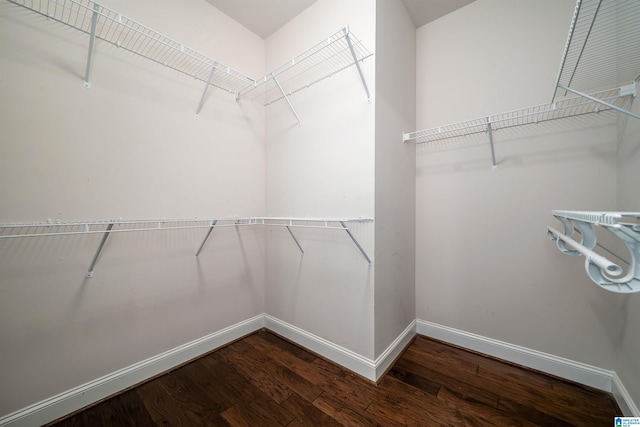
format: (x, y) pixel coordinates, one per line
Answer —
(356, 242)
(295, 240)
(494, 165)
(105, 236)
(357, 63)
(627, 90)
(284, 95)
(601, 270)
(92, 39)
(213, 224)
(204, 93)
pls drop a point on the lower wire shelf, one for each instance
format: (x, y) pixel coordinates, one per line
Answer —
(109, 227)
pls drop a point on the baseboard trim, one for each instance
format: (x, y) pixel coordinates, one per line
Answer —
(72, 400)
(338, 354)
(623, 398)
(386, 359)
(544, 362)
(370, 369)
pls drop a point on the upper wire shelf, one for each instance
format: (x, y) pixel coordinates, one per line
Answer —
(603, 46)
(568, 107)
(115, 28)
(336, 53)
(332, 55)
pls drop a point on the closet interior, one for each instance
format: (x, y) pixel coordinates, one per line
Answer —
(416, 246)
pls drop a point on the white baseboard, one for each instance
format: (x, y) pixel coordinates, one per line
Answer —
(384, 361)
(554, 365)
(624, 400)
(370, 369)
(338, 354)
(592, 376)
(65, 403)
(58, 406)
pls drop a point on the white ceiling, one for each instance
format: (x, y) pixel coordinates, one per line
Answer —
(264, 17)
(424, 11)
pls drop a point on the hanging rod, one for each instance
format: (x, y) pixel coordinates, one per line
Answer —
(106, 228)
(603, 272)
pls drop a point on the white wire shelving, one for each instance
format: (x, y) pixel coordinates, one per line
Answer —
(602, 55)
(109, 227)
(602, 271)
(102, 23)
(332, 55)
(602, 48)
(560, 109)
(336, 53)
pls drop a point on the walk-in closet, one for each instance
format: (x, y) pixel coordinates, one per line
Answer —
(369, 188)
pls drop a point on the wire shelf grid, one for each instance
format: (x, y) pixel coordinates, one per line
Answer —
(64, 228)
(125, 33)
(603, 46)
(322, 61)
(564, 108)
(600, 218)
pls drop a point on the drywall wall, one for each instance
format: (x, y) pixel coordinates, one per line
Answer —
(323, 168)
(395, 173)
(129, 147)
(625, 311)
(484, 263)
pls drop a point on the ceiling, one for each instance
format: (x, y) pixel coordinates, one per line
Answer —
(264, 17)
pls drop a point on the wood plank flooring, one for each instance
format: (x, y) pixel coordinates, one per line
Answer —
(263, 380)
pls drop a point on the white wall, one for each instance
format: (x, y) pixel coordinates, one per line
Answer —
(484, 264)
(129, 147)
(395, 173)
(323, 168)
(626, 315)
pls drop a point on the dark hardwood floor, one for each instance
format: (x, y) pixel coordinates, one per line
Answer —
(263, 380)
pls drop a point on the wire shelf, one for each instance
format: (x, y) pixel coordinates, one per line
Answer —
(323, 60)
(64, 228)
(107, 228)
(125, 33)
(334, 54)
(564, 108)
(601, 218)
(603, 46)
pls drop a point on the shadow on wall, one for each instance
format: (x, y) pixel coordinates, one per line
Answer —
(552, 142)
(616, 324)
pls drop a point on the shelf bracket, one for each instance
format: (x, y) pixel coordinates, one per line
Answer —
(92, 39)
(213, 224)
(295, 240)
(204, 93)
(356, 242)
(357, 63)
(494, 165)
(627, 90)
(284, 95)
(601, 270)
(105, 236)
